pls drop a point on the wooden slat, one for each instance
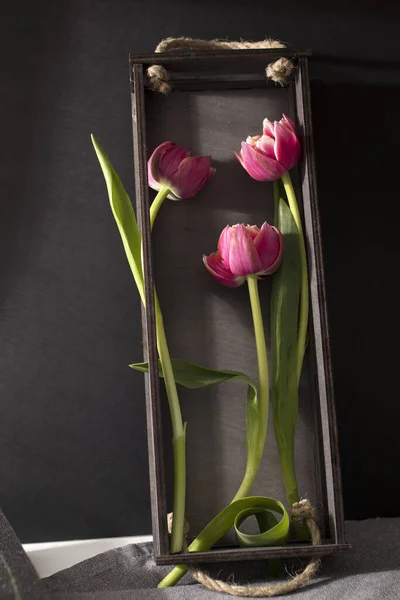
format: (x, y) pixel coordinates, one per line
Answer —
(239, 554)
(319, 307)
(163, 58)
(153, 407)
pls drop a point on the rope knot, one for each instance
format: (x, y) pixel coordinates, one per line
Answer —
(303, 511)
(280, 70)
(157, 79)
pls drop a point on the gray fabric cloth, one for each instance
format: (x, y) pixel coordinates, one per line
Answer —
(370, 571)
(18, 578)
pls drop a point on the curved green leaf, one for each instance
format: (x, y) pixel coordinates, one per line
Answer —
(194, 376)
(122, 210)
(273, 532)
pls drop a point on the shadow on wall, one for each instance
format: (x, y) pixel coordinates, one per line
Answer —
(357, 133)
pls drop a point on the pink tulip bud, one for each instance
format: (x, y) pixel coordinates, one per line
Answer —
(171, 166)
(245, 250)
(268, 156)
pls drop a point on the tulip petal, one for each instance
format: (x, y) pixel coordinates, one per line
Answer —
(193, 173)
(269, 246)
(191, 191)
(259, 166)
(287, 146)
(243, 257)
(155, 185)
(224, 243)
(194, 164)
(268, 128)
(289, 123)
(151, 181)
(170, 160)
(253, 231)
(220, 271)
(252, 139)
(267, 146)
(168, 166)
(154, 160)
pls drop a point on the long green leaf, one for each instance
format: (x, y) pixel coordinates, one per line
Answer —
(284, 327)
(194, 376)
(122, 210)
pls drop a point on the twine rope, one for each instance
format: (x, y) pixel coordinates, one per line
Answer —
(158, 77)
(302, 512)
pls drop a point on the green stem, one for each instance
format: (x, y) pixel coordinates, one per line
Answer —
(157, 203)
(178, 432)
(254, 458)
(178, 428)
(277, 195)
(304, 299)
(262, 358)
(286, 456)
(215, 530)
(248, 479)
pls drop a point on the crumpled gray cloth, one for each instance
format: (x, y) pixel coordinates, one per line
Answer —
(18, 578)
(370, 571)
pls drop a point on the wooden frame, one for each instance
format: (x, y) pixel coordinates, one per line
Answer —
(240, 69)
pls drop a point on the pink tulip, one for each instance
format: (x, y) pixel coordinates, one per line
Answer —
(268, 156)
(245, 250)
(171, 166)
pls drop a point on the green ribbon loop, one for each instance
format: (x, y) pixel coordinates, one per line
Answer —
(273, 532)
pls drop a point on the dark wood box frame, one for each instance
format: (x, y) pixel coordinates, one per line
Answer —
(235, 70)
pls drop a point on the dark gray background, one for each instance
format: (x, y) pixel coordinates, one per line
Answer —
(73, 459)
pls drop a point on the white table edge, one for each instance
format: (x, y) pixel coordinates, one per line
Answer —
(50, 557)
